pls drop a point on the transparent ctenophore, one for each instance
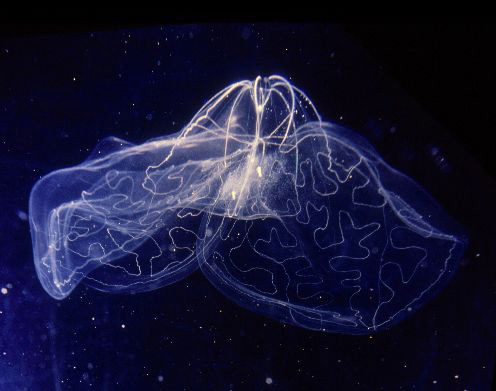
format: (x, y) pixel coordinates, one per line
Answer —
(286, 214)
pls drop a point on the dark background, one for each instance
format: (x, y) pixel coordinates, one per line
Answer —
(422, 94)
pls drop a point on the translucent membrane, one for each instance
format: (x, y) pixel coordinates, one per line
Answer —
(286, 214)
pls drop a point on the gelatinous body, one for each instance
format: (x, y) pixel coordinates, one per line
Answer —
(286, 214)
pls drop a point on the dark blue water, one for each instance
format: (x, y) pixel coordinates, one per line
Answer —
(61, 94)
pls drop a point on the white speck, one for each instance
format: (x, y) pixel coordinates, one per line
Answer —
(456, 376)
(4, 291)
(22, 215)
(268, 380)
(73, 79)
(123, 326)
